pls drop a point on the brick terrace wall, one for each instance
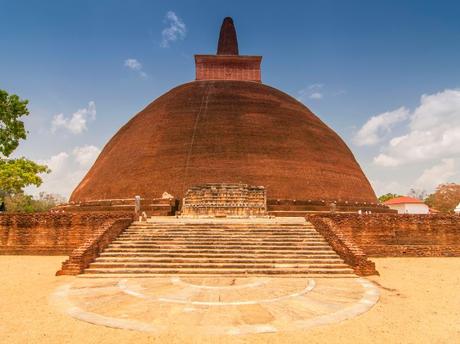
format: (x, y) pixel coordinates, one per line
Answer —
(396, 235)
(48, 233)
(81, 257)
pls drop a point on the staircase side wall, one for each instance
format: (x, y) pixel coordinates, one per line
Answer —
(344, 247)
(81, 257)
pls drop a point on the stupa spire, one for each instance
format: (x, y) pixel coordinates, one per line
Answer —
(227, 64)
(228, 43)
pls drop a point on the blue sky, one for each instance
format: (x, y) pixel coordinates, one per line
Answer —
(361, 66)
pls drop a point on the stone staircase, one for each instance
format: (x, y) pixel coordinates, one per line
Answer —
(218, 248)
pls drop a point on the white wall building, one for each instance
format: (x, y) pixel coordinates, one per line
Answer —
(407, 205)
(457, 210)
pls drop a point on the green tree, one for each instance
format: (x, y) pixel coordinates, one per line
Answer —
(15, 174)
(11, 127)
(21, 203)
(387, 197)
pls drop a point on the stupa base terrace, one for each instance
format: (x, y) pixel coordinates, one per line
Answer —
(226, 200)
(151, 206)
(226, 229)
(275, 207)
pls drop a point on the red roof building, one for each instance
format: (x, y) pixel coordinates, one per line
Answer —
(407, 205)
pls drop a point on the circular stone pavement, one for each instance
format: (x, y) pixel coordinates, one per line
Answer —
(215, 305)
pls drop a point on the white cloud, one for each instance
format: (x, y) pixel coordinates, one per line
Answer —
(67, 170)
(375, 129)
(386, 161)
(76, 123)
(56, 162)
(316, 95)
(176, 29)
(383, 187)
(136, 66)
(85, 155)
(433, 132)
(133, 64)
(311, 92)
(437, 174)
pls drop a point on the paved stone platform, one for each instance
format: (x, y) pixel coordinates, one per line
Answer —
(215, 306)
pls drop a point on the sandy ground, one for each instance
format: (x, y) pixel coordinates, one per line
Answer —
(420, 303)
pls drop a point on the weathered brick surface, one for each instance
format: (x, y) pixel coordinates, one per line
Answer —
(81, 257)
(345, 248)
(394, 235)
(226, 131)
(49, 233)
(212, 67)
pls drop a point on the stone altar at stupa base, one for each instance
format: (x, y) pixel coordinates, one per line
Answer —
(225, 200)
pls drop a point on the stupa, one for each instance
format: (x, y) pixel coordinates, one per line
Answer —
(226, 127)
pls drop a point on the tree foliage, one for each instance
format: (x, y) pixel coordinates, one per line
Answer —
(15, 174)
(12, 129)
(445, 198)
(387, 197)
(22, 203)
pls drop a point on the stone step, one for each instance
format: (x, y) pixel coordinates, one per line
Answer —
(219, 225)
(217, 232)
(213, 241)
(202, 245)
(154, 239)
(220, 234)
(204, 275)
(242, 236)
(224, 229)
(231, 259)
(305, 250)
(206, 236)
(210, 271)
(255, 265)
(218, 243)
(311, 255)
(228, 227)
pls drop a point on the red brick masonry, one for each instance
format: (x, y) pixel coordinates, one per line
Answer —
(49, 233)
(81, 257)
(394, 235)
(218, 67)
(344, 246)
(226, 131)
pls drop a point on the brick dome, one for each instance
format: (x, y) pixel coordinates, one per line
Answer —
(215, 131)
